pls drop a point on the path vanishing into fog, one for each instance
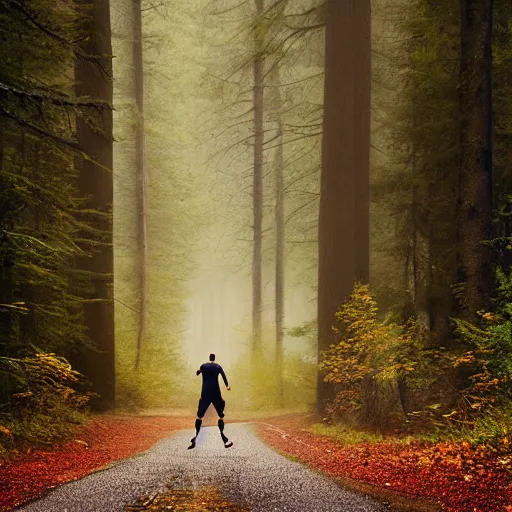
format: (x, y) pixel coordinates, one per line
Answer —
(249, 473)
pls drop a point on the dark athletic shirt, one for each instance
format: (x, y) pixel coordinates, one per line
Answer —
(211, 372)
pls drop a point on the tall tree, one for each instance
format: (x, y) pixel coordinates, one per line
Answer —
(140, 151)
(363, 87)
(475, 158)
(39, 226)
(280, 234)
(343, 243)
(93, 76)
(258, 127)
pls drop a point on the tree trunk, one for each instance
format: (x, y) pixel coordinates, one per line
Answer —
(94, 79)
(362, 120)
(343, 219)
(6, 264)
(258, 93)
(475, 164)
(140, 150)
(280, 245)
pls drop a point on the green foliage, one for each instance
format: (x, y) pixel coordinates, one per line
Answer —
(160, 382)
(494, 428)
(255, 378)
(491, 428)
(43, 225)
(487, 355)
(45, 399)
(414, 207)
(346, 435)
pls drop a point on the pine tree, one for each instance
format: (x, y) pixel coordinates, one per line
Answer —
(140, 143)
(94, 79)
(44, 228)
(257, 192)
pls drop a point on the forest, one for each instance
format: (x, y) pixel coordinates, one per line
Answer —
(317, 191)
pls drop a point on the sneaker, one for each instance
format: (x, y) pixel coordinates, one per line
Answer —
(228, 445)
(193, 445)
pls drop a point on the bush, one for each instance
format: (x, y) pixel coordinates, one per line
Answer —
(492, 429)
(41, 399)
(485, 358)
(373, 364)
(255, 377)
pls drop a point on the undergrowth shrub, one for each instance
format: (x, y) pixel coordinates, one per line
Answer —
(385, 375)
(42, 400)
(492, 428)
(256, 375)
(374, 364)
(486, 357)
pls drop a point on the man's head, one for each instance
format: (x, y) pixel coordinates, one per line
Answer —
(212, 357)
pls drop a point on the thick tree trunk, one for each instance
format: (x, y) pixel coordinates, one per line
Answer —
(343, 219)
(95, 182)
(140, 150)
(475, 167)
(258, 93)
(363, 74)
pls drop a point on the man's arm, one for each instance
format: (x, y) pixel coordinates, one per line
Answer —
(200, 370)
(224, 378)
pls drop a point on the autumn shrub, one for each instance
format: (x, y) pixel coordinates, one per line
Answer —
(373, 364)
(42, 399)
(481, 360)
(485, 356)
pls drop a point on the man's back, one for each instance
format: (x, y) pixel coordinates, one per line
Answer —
(211, 372)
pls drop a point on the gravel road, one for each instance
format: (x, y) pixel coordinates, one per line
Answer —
(249, 473)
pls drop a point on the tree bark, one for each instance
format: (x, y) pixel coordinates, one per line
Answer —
(94, 80)
(140, 150)
(363, 81)
(6, 263)
(343, 218)
(280, 245)
(475, 164)
(258, 96)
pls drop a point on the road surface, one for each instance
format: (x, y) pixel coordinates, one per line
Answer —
(249, 473)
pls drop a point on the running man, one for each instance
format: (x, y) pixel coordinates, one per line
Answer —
(210, 394)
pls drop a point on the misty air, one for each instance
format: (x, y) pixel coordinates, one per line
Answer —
(255, 255)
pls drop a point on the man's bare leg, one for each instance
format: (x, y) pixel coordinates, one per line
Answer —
(225, 440)
(198, 423)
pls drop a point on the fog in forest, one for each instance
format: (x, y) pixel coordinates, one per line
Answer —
(198, 156)
(317, 191)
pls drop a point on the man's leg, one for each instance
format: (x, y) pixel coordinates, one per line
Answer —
(201, 410)
(219, 407)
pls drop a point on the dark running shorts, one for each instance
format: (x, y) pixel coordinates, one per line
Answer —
(204, 403)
